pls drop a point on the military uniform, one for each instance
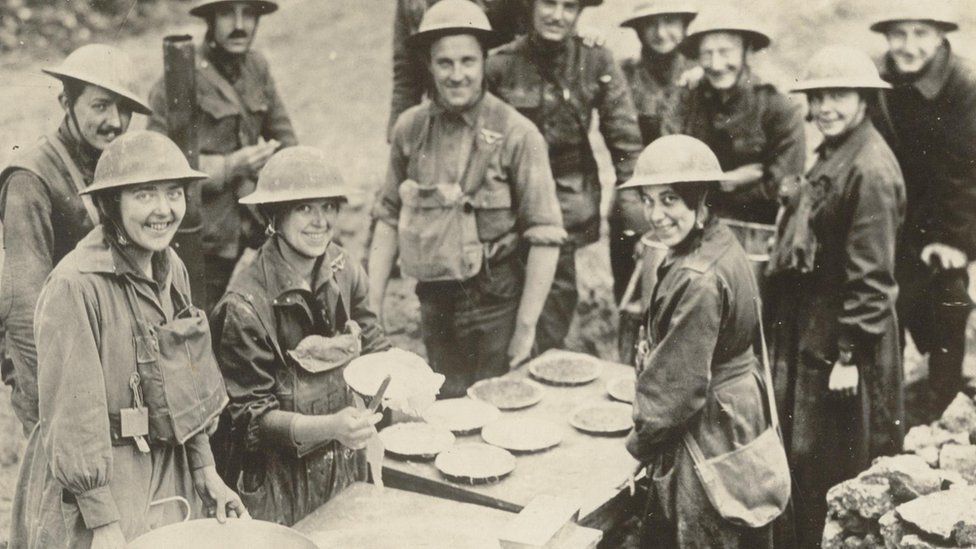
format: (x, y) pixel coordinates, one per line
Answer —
(410, 79)
(558, 86)
(929, 124)
(467, 324)
(754, 124)
(44, 218)
(237, 105)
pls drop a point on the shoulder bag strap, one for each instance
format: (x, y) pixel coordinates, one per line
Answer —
(76, 177)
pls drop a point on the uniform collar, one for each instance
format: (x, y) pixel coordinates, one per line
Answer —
(229, 65)
(742, 88)
(856, 137)
(933, 76)
(703, 247)
(469, 115)
(99, 255)
(281, 278)
(84, 155)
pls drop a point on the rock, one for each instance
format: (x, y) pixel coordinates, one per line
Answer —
(908, 476)
(960, 416)
(964, 535)
(925, 441)
(833, 535)
(930, 454)
(913, 541)
(951, 478)
(892, 529)
(870, 500)
(939, 514)
(961, 459)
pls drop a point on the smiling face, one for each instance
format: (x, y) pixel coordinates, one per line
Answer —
(308, 226)
(670, 217)
(722, 56)
(554, 20)
(151, 213)
(913, 44)
(662, 33)
(100, 116)
(836, 111)
(457, 66)
(234, 26)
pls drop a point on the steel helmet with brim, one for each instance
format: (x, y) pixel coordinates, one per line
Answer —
(449, 17)
(139, 157)
(840, 67)
(206, 7)
(724, 20)
(295, 174)
(675, 159)
(105, 67)
(647, 9)
(936, 12)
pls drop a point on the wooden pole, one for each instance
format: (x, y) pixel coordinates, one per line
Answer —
(179, 68)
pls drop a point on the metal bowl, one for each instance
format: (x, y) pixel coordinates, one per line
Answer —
(210, 534)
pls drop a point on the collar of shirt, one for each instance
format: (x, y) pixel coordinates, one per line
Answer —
(229, 65)
(281, 278)
(852, 140)
(930, 81)
(84, 155)
(102, 256)
(742, 89)
(468, 115)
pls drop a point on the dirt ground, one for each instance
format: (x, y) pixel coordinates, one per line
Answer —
(331, 61)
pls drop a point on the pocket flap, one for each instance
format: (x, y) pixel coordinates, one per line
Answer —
(216, 106)
(442, 195)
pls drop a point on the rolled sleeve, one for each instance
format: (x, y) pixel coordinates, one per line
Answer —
(73, 405)
(198, 451)
(539, 219)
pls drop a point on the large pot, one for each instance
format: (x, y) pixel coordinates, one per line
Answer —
(210, 534)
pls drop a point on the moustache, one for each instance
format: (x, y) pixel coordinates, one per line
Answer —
(236, 33)
(109, 130)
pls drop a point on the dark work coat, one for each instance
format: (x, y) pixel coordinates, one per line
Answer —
(267, 311)
(755, 124)
(559, 86)
(701, 375)
(847, 302)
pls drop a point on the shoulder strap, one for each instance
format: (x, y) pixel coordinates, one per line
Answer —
(76, 176)
(767, 373)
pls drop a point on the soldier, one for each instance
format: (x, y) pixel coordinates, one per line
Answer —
(929, 124)
(43, 215)
(553, 78)
(240, 122)
(754, 130)
(469, 189)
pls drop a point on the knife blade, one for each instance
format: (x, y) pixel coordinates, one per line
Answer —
(378, 397)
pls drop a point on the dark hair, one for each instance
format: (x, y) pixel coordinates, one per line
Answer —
(693, 193)
(273, 212)
(73, 89)
(108, 204)
(871, 98)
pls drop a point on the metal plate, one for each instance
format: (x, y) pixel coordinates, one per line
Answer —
(475, 463)
(505, 393)
(416, 440)
(623, 388)
(522, 434)
(603, 418)
(565, 369)
(463, 416)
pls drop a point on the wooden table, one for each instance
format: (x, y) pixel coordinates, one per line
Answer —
(588, 470)
(364, 515)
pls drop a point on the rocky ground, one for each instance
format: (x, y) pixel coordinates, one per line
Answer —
(331, 61)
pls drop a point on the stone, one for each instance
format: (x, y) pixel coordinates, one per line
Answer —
(962, 459)
(870, 500)
(921, 439)
(913, 541)
(938, 514)
(960, 416)
(964, 535)
(892, 529)
(951, 478)
(908, 476)
(833, 535)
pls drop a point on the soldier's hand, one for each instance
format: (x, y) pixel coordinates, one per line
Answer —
(591, 37)
(520, 347)
(943, 256)
(353, 427)
(248, 161)
(843, 380)
(691, 78)
(743, 175)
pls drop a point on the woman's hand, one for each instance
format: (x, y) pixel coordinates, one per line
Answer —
(108, 536)
(353, 427)
(218, 499)
(843, 379)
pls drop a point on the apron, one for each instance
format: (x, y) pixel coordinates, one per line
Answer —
(284, 485)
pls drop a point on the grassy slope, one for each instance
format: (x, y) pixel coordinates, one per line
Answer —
(331, 62)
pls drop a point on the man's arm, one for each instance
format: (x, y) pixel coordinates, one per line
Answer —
(382, 254)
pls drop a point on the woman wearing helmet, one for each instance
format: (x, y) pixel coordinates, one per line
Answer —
(128, 383)
(833, 291)
(293, 426)
(698, 390)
